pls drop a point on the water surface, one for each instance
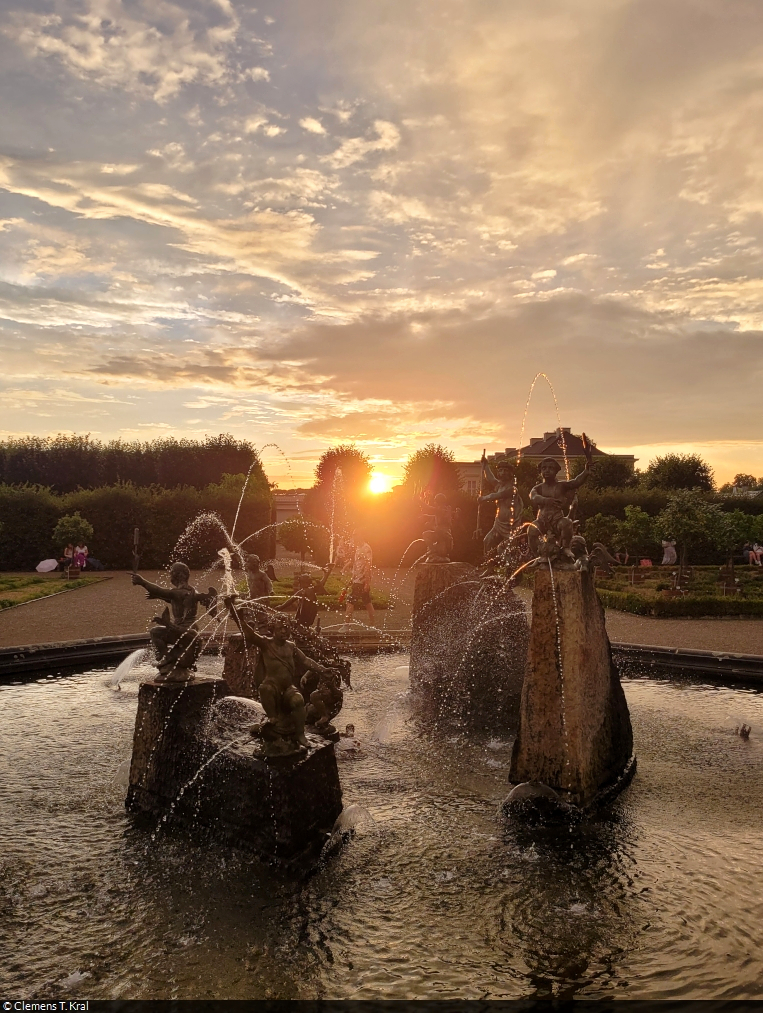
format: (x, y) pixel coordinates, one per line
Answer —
(659, 897)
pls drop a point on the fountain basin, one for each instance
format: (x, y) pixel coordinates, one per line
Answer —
(655, 897)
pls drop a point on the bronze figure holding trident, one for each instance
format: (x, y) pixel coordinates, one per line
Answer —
(554, 500)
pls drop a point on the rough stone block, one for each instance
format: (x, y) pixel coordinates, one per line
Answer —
(468, 649)
(575, 731)
(211, 774)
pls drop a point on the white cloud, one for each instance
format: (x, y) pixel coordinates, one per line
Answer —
(356, 148)
(150, 47)
(257, 74)
(312, 125)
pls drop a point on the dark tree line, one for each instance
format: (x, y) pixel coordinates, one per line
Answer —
(67, 463)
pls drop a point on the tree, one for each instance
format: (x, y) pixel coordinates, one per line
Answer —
(292, 534)
(334, 501)
(608, 472)
(688, 518)
(430, 470)
(72, 528)
(355, 466)
(635, 534)
(601, 528)
(742, 481)
(729, 531)
(679, 471)
(745, 481)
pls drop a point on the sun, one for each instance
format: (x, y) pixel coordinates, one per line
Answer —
(379, 483)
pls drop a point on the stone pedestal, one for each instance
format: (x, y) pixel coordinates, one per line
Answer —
(575, 731)
(168, 747)
(211, 774)
(468, 648)
(240, 663)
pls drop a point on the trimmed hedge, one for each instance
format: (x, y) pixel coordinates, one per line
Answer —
(67, 463)
(30, 513)
(699, 605)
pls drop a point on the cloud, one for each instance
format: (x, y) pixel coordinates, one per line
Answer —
(356, 148)
(312, 125)
(151, 48)
(386, 229)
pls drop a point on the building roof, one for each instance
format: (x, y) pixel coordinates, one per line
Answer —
(552, 445)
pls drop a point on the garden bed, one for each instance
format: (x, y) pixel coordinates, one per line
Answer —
(18, 589)
(653, 604)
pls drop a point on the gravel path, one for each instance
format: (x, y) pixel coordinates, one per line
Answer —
(114, 607)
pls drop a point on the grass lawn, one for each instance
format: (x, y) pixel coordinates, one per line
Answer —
(17, 588)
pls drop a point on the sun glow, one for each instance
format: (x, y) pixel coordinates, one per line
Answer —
(379, 482)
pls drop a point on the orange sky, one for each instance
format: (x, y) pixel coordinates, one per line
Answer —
(312, 223)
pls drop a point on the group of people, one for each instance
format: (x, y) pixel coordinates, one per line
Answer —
(78, 555)
(753, 554)
(74, 556)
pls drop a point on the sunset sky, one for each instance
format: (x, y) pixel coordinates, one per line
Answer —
(314, 221)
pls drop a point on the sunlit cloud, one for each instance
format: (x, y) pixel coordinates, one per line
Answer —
(323, 223)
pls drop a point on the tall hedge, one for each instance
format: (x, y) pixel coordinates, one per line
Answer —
(67, 463)
(30, 513)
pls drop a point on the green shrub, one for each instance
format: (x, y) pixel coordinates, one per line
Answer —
(29, 514)
(72, 529)
(687, 605)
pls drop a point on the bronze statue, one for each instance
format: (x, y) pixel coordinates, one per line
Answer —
(439, 545)
(554, 500)
(510, 505)
(257, 581)
(598, 558)
(438, 538)
(325, 698)
(306, 596)
(276, 681)
(175, 638)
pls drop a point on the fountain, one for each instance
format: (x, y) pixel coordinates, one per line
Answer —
(249, 772)
(475, 667)
(421, 888)
(469, 633)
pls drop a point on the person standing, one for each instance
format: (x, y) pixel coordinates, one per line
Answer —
(360, 590)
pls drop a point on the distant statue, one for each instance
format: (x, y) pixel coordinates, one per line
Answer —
(306, 596)
(175, 637)
(510, 505)
(438, 535)
(259, 584)
(276, 680)
(554, 501)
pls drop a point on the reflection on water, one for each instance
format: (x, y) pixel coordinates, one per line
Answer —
(658, 897)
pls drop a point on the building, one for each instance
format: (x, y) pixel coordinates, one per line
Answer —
(286, 504)
(554, 444)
